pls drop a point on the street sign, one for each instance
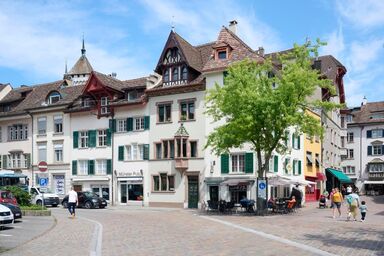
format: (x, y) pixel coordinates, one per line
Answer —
(262, 188)
(43, 182)
(43, 166)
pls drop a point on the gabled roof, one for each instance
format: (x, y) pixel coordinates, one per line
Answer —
(363, 115)
(240, 51)
(15, 94)
(82, 66)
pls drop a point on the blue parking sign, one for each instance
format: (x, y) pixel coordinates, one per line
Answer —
(43, 182)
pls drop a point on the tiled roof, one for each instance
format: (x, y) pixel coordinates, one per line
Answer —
(109, 81)
(191, 54)
(239, 51)
(15, 94)
(135, 83)
(82, 66)
(369, 113)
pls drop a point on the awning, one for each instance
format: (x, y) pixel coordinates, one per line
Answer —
(234, 182)
(138, 179)
(277, 180)
(91, 179)
(213, 180)
(321, 176)
(339, 175)
(374, 182)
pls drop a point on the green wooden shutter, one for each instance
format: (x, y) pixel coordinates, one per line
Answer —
(146, 123)
(129, 124)
(146, 152)
(286, 165)
(369, 150)
(5, 164)
(28, 160)
(109, 166)
(75, 139)
(224, 163)
(248, 162)
(91, 167)
(74, 167)
(298, 142)
(109, 137)
(121, 153)
(275, 163)
(299, 167)
(293, 140)
(286, 139)
(92, 138)
(294, 167)
(112, 125)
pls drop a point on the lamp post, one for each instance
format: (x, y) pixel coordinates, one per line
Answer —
(142, 176)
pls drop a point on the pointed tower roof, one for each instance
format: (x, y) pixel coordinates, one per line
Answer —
(82, 66)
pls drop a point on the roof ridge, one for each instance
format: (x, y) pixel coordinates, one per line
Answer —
(239, 39)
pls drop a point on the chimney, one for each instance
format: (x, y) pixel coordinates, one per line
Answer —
(233, 26)
(260, 51)
(114, 75)
(364, 101)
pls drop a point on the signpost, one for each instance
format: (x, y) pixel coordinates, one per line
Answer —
(262, 194)
(43, 181)
(43, 166)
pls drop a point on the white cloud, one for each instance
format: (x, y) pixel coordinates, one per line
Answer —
(362, 14)
(335, 44)
(364, 54)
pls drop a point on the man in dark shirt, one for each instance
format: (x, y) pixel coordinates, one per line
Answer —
(297, 194)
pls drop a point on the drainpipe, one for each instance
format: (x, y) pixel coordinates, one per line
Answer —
(361, 153)
(31, 160)
(113, 171)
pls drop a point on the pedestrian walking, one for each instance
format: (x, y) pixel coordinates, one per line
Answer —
(353, 201)
(363, 211)
(349, 189)
(337, 198)
(72, 202)
(331, 197)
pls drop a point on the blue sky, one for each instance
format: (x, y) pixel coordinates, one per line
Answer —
(127, 37)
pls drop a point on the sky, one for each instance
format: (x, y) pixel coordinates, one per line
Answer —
(127, 37)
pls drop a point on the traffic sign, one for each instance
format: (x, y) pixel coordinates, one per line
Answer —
(43, 182)
(43, 166)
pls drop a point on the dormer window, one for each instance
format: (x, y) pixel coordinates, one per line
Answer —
(175, 74)
(134, 95)
(222, 55)
(166, 76)
(172, 56)
(54, 97)
(184, 73)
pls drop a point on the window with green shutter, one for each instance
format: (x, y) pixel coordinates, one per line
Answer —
(294, 167)
(74, 167)
(109, 166)
(146, 122)
(146, 152)
(27, 160)
(299, 167)
(224, 163)
(121, 153)
(275, 163)
(5, 163)
(92, 138)
(369, 150)
(75, 139)
(298, 141)
(109, 137)
(286, 165)
(248, 162)
(91, 167)
(129, 124)
(112, 125)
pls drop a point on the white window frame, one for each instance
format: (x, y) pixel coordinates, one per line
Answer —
(377, 133)
(377, 150)
(350, 153)
(121, 125)
(138, 123)
(42, 152)
(58, 124)
(134, 151)
(83, 167)
(104, 105)
(350, 137)
(42, 125)
(236, 160)
(101, 167)
(101, 138)
(58, 152)
(83, 139)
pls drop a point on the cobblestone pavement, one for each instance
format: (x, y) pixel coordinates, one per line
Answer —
(156, 231)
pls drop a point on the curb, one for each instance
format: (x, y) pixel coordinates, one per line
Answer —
(36, 212)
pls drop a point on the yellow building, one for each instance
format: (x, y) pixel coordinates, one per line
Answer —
(312, 164)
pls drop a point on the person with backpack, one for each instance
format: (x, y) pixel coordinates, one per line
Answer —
(353, 201)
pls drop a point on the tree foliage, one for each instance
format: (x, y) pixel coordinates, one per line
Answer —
(22, 196)
(259, 107)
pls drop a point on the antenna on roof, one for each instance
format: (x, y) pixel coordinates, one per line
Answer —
(173, 23)
(83, 49)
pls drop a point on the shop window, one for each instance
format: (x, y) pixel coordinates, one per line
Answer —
(163, 182)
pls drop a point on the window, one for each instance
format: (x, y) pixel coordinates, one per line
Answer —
(58, 124)
(86, 102)
(83, 167)
(102, 138)
(163, 182)
(138, 124)
(58, 149)
(376, 168)
(134, 95)
(184, 73)
(377, 133)
(349, 169)
(53, 97)
(135, 152)
(349, 118)
(101, 167)
(121, 125)
(342, 141)
(193, 148)
(104, 104)
(296, 141)
(16, 160)
(187, 110)
(350, 137)
(42, 152)
(238, 162)
(317, 159)
(17, 132)
(166, 75)
(83, 138)
(42, 125)
(175, 74)
(296, 167)
(350, 153)
(167, 147)
(164, 113)
(222, 55)
(309, 158)
(181, 145)
(158, 150)
(377, 150)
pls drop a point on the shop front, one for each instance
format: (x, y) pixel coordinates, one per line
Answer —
(374, 187)
(234, 189)
(98, 185)
(130, 188)
(312, 191)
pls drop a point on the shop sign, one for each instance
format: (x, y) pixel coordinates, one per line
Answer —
(128, 174)
(238, 188)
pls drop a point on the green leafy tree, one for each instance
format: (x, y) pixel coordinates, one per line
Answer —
(22, 196)
(259, 107)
